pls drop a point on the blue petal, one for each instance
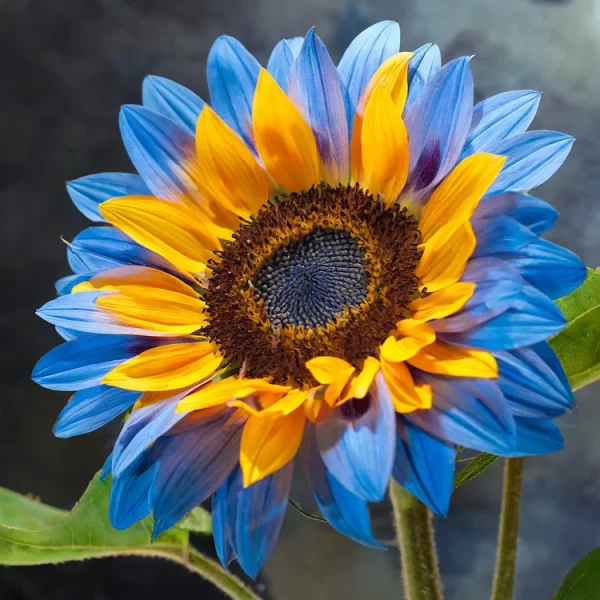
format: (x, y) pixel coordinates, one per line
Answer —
(101, 248)
(65, 285)
(536, 436)
(129, 502)
(548, 355)
(223, 519)
(232, 74)
(193, 465)
(364, 56)
(424, 466)
(106, 468)
(345, 511)
(359, 451)
(172, 100)
(467, 412)
(424, 64)
(82, 362)
(552, 269)
(282, 58)
(531, 386)
(163, 152)
(67, 334)
(316, 89)
(532, 158)
(532, 318)
(142, 429)
(260, 510)
(528, 210)
(500, 117)
(438, 125)
(88, 192)
(500, 235)
(90, 409)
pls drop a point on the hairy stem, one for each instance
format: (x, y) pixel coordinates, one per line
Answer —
(506, 556)
(414, 530)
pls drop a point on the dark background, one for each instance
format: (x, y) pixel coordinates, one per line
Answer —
(67, 66)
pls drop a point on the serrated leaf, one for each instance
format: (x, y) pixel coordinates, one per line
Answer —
(198, 521)
(39, 534)
(578, 345)
(583, 580)
(475, 467)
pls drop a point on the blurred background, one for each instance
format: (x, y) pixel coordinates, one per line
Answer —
(65, 68)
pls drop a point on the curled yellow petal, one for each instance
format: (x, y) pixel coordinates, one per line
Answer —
(181, 235)
(456, 361)
(154, 309)
(229, 173)
(385, 158)
(445, 256)
(269, 444)
(170, 367)
(280, 406)
(284, 140)
(333, 372)
(457, 197)
(406, 395)
(416, 336)
(443, 303)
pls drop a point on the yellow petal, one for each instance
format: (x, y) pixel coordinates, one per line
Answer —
(385, 159)
(284, 140)
(457, 197)
(220, 392)
(456, 361)
(445, 256)
(269, 444)
(417, 335)
(138, 276)
(229, 173)
(170, 367)
(333, 372)
(158, 310)
(177, 233)
(283, 406)
(359, 385)
(443, 303)
(406, 395)
(391, 76)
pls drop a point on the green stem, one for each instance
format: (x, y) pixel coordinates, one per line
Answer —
(506, 556)
(414, 530)
(210, 570)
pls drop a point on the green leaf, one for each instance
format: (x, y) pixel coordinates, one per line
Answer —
(34, 533)
(198, 521)
(475, 467)
(578, 345)
(583, 580)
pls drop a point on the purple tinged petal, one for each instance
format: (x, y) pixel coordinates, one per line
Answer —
(173, 101)
(345, 511)
(424, 64)
(424, 466)
(232, 74)
(193, 465)
(500, 117)
(438, 125)
(364, 56)
(163, 152)
(87, 193)
(357, 444)
(83, 362)
(90, 409)
(532, 158)
(500, 235)
(283, 56)
(316, 89)
(467, 412)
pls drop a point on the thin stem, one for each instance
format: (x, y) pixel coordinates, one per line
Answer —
(414, 530)
(210, 570)
(506, 556)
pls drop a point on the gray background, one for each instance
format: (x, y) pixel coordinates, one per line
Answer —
(66, 66)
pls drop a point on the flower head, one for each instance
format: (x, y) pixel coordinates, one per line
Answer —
(335, 263)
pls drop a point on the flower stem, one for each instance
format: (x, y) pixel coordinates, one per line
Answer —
(506, 556)
(414, 530)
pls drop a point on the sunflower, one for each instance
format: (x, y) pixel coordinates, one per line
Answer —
(340, 264)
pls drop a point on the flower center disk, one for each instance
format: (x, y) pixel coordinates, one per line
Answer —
(328, 272)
